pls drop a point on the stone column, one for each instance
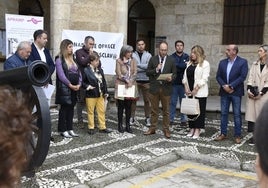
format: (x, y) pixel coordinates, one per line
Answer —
(122, 17)
(60, 19)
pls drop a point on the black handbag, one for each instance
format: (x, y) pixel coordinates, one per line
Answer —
(254, 90)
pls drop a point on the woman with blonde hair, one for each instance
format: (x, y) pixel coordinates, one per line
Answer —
(195, 82)
(68, 82)
(257, 86)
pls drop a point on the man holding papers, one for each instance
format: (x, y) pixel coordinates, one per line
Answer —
(161, 71)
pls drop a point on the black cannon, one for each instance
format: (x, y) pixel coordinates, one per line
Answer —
(29, 79)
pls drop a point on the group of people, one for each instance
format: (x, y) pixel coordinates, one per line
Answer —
(80, 80)
(188, 76)
(185, 75)
(75, 73)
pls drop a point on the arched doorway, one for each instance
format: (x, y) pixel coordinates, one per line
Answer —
(141, 23)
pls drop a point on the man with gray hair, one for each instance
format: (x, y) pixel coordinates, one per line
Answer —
(21, 56)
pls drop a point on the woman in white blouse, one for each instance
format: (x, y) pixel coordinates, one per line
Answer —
(195, 82)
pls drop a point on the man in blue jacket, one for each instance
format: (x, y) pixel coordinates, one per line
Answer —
(181, 60)
(20, 58)
(231, 75)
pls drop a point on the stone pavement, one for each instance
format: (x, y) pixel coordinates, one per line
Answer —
(101, 159)
(189, 174)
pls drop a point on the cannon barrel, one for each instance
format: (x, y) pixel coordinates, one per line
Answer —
(37, 73)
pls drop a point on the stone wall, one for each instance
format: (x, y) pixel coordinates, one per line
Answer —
(193, 21)
(199, 22)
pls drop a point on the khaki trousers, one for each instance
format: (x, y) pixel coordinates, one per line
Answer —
(91, 104)
(165, 100)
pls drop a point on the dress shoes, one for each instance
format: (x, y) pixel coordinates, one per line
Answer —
(128, 129)
(91, 131)
(167, 133)
(220, 137)
(251, 141)
(150, 131)
(238, 140)
(105, 131)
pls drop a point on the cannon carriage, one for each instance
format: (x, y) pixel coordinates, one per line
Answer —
(30, 79)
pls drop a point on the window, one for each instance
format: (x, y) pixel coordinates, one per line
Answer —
(243, 21)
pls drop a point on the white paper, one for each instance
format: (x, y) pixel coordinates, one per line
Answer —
(164, 76)
(105, 103)
(126, 92)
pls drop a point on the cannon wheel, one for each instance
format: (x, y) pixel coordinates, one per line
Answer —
(38, 147)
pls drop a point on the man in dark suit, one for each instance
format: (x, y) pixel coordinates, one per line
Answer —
(160, 90)
(40, 52)
(231, 75)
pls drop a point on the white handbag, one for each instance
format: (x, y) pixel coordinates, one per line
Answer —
(190, 106)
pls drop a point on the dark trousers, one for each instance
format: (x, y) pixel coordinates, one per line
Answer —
(65, 121)
(121, 106)
(251, 126)
(199, 123)
(80, 104)
(165, 100)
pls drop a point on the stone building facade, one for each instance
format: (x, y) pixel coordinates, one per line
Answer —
(193, 21)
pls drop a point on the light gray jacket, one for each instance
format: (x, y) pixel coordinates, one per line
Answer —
(142, 65)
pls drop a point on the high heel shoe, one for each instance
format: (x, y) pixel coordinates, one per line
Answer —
(71, 132)
(191, 133)
(196, 134)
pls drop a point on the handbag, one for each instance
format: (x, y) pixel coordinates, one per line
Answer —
(190, 106)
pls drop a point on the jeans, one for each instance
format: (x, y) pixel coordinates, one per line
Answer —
(236, 105)
(177, 91)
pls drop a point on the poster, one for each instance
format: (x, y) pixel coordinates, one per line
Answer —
(108, 45)
(20, 28)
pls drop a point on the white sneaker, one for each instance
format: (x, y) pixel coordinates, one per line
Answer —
(71, 132)
(148, 122)
(132, 121)
(66, 134)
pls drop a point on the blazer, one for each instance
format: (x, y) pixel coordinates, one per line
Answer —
(35, 56)
(91, 79)
(169, 67)
(237, 76)
(201, 75)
